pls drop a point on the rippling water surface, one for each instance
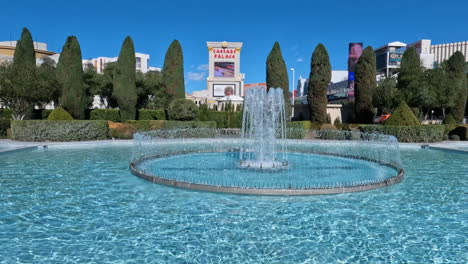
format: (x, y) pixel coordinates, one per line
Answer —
(80, 204)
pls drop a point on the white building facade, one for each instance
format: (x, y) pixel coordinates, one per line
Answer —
(142, 63)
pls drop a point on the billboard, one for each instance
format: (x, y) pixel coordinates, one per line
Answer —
(354, 53)
(223, 69)
(221, 90)
(394, 58)
(254, 86)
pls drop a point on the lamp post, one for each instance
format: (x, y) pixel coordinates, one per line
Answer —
(292, 85)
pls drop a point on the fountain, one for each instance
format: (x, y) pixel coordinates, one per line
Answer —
(263, 123)
(265, 157)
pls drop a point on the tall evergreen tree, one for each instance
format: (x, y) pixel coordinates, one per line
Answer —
(457, 79)
(277, 75)
(319, 79)
(24, 51)
(365, 85)
(410, 77)
(18, 80)
(173, 72)
(124, 81)
(70, 78)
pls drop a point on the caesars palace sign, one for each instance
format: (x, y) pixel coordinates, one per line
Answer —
(224, 53)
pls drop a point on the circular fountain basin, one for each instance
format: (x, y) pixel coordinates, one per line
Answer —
(265, 165)
(314, 167)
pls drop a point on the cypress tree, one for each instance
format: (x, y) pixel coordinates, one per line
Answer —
(457, 79)
(410, 76)
(125, 81)
(24, 51)
(19, 79)
(173, 72)
(70, 78)
(277, 75)
(319, 79)
(365, 85)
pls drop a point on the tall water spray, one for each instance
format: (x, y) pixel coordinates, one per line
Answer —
(263, 130)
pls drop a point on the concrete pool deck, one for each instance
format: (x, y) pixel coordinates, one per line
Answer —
(7, 145)
(11, 145)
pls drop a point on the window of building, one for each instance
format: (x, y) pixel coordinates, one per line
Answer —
(138, 62)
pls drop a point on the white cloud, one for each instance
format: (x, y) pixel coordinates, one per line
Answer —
(196, 76)
(299, 60)
(202, 67)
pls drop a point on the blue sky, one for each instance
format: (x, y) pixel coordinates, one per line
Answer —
(299, 26)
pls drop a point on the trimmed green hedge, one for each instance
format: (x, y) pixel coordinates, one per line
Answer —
(461, 131)
(126, 130)
(4, 126)
(105, 114)
(148, 114)
(188, 124)
(147, 125)
(299, 124)
(63, 130)
(221, 119)
(422, 133)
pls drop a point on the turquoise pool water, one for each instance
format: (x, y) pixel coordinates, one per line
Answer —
(80, 204)
(303, 171)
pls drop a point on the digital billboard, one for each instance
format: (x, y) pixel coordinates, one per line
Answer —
(221, 90)
(223, 69)
(354, 53)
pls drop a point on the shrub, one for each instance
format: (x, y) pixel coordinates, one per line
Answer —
(182, 110)
(126, 130)
(339, 135)
(121, 130)
(402, 116)
(460, 131)
(300, 124)
(298, 129)
(146, 125)
(420, 133)
(4, 126)
(348, 127)
(455, 137)
(221, 119)
(203, 112)
(148, 114)
(337, 121)
(5, 113)
(59, 114)
(105, 114)
(449, 120)
(61, 130)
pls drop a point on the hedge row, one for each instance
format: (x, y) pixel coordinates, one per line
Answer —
(224, 119)
(48, 130)
(125, 130)
(147, 114)
(105, 114)
(114, 114)
(423, 133)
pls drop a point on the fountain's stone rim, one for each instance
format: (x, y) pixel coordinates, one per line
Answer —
(267, 191)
